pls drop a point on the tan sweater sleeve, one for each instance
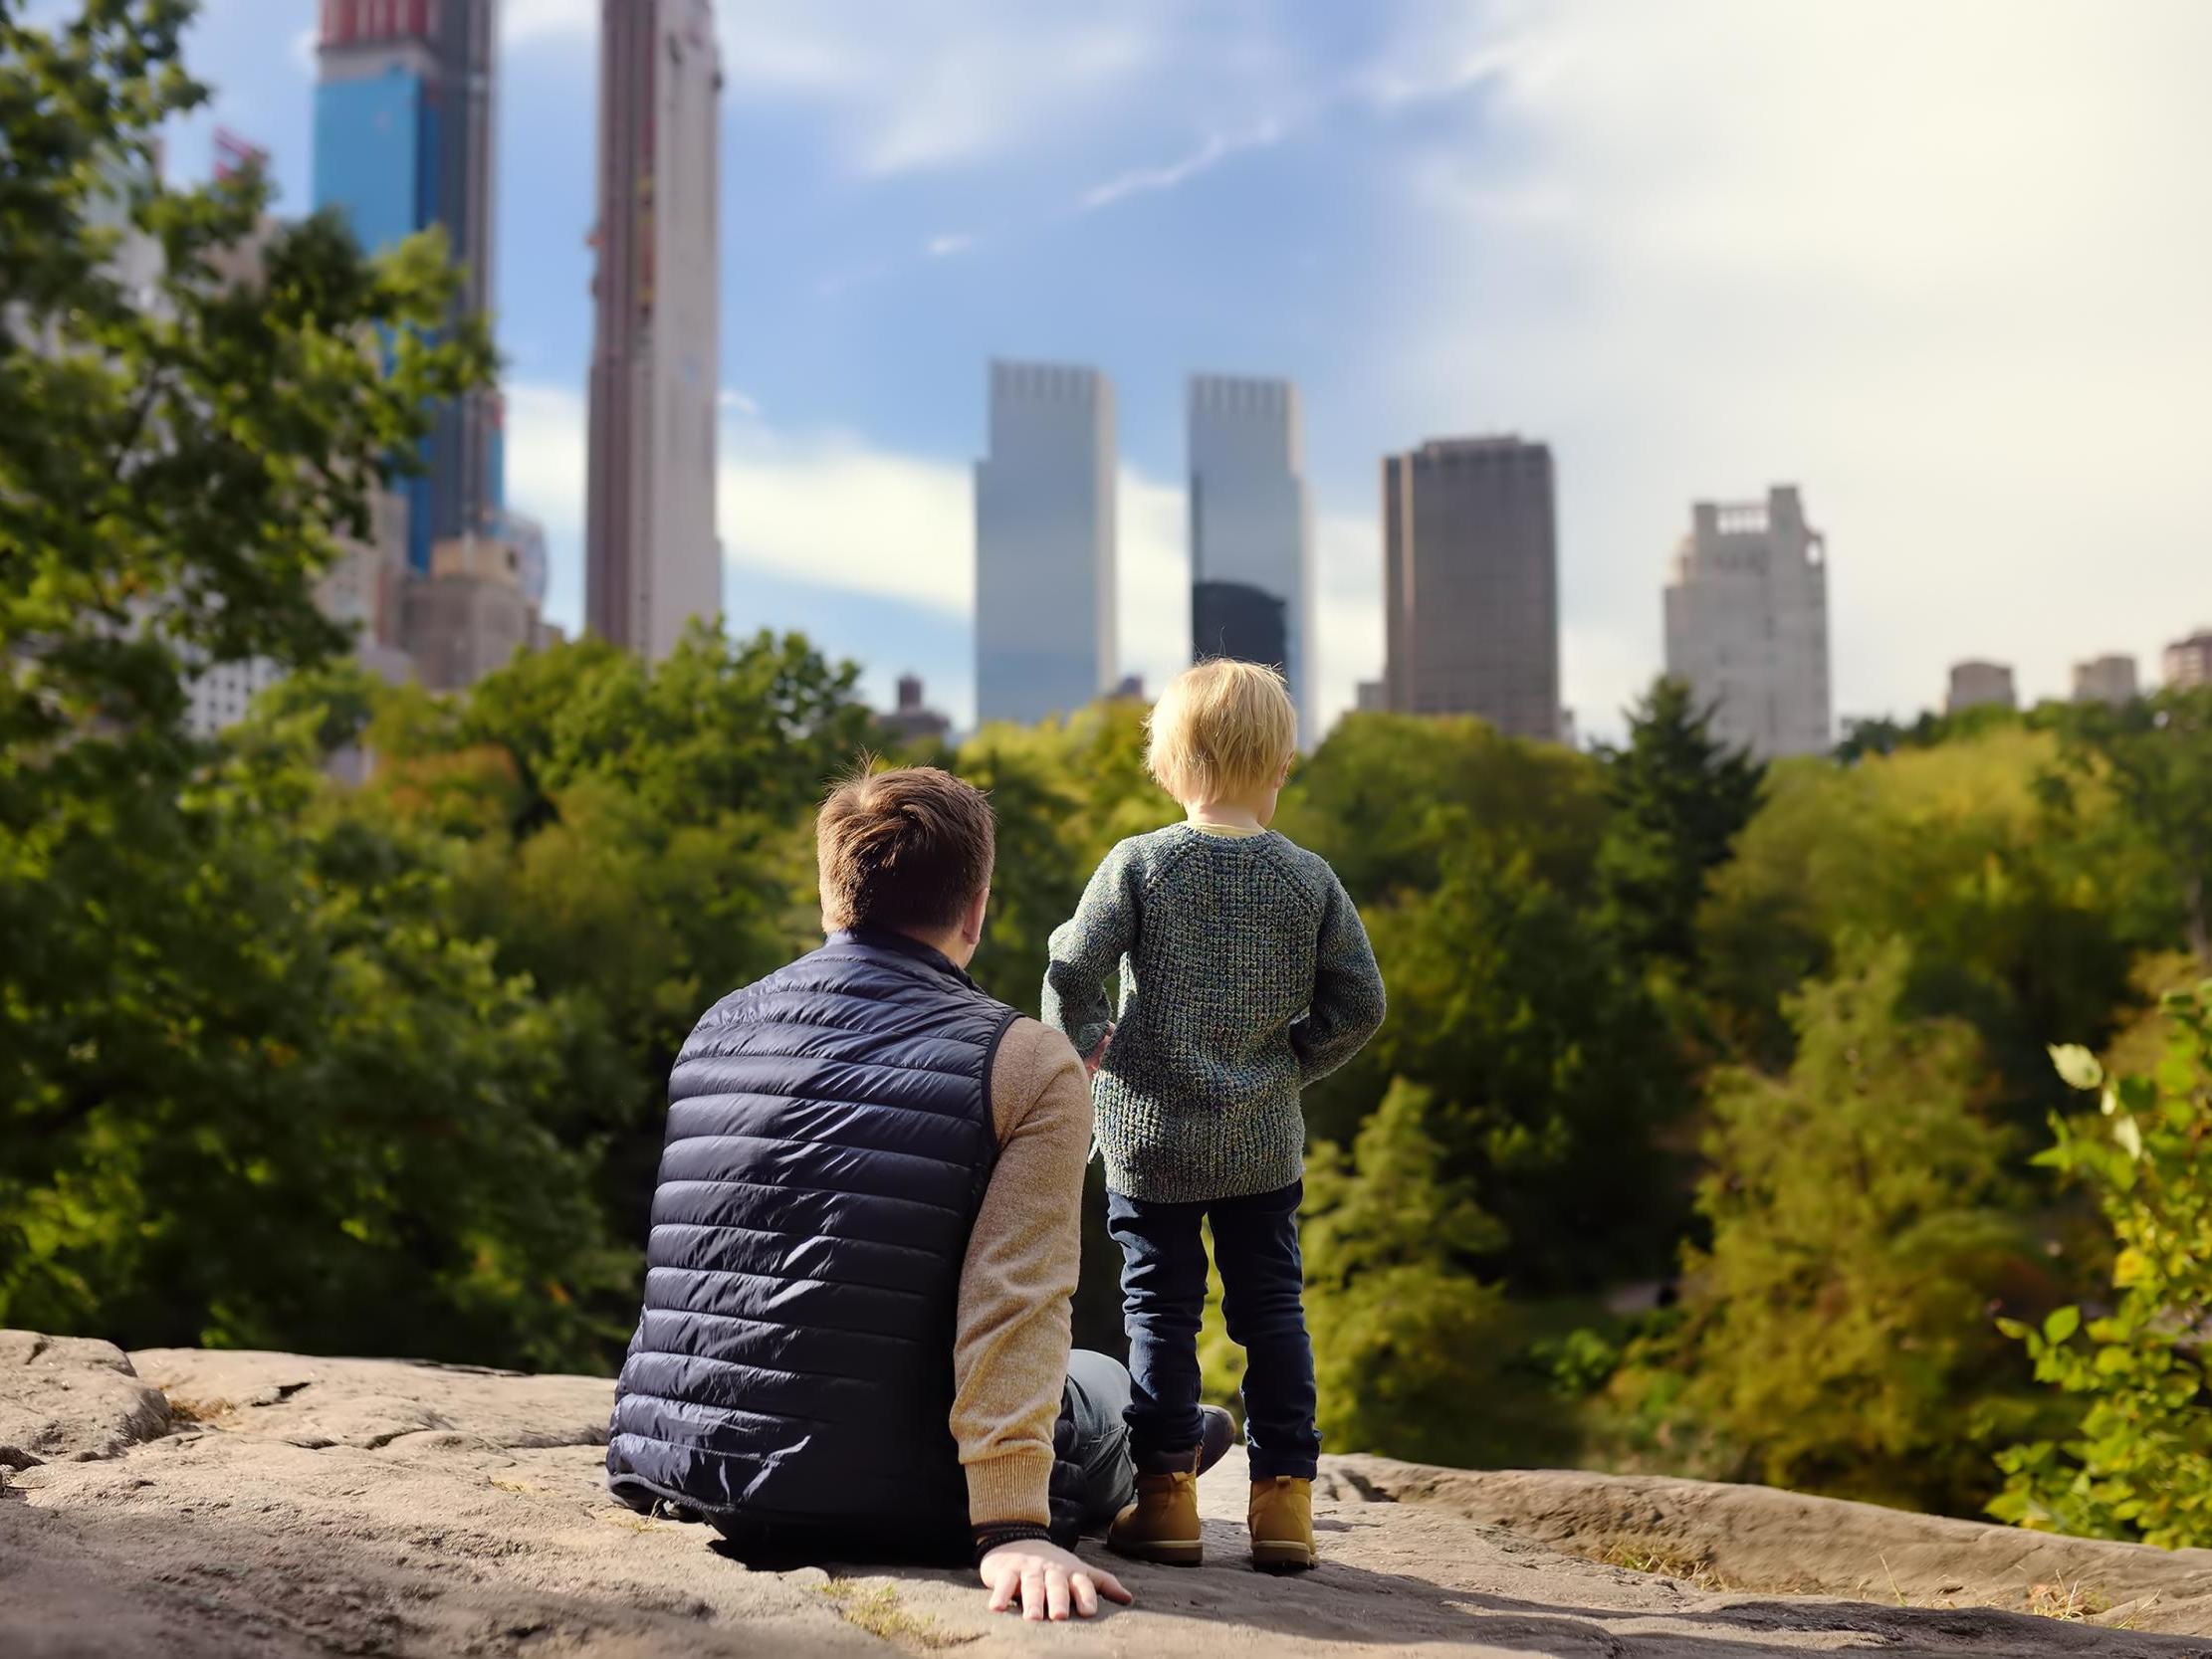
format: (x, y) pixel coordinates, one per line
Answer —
(1010, 1348)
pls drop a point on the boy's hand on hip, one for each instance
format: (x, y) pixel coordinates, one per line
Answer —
(1097, 1056)
(1046, 1581)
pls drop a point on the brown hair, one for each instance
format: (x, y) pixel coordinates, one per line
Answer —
(908, 849)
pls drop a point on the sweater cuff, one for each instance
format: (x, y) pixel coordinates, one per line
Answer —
(988, 1539)
(1013, 1485)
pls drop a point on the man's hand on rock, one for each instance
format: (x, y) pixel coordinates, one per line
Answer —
(1046, 1581)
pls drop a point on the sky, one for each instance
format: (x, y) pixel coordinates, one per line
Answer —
(1946, 267)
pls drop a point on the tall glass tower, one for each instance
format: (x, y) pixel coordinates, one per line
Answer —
(1044, 543)
(1251, 538)
(403, 141)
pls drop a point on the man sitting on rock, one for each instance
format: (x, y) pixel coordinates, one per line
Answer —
(864, 1240)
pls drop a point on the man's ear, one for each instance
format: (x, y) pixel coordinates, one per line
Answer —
(972, 922)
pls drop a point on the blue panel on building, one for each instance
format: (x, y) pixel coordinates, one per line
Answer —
(373, 152)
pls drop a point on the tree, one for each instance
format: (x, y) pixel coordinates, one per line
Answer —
(2154, 756)
(1551, 1065)
(633, 838)
(1409, 1347)
(2137, 1462)
(1679, 799)
(1861, 1218)
(253, 1090)
(2019, 923)
(1388, 796)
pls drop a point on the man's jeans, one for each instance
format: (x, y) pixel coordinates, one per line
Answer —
(1092, 1478)
(1162, 1283)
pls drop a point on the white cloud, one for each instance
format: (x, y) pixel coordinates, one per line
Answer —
(522, 22)
(1151, 578)
(1943, 266)
(1347, 610)
(731, 401)
(913, 87)
(948, 244)
(1217, 148)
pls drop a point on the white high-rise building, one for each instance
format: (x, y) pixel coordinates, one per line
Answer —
(1980, 685)
(1045, 641)
(1252, 534)
(651, 558)
(1747, 624)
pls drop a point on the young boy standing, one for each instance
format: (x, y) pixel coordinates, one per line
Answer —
(1245, 974)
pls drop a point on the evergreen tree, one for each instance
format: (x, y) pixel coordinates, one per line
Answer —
(1679, 799)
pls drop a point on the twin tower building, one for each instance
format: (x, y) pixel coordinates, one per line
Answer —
(1046, 580)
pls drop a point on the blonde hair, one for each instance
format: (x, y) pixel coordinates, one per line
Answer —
(1220, 730)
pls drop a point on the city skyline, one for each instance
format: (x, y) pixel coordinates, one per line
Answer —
(1671, 263)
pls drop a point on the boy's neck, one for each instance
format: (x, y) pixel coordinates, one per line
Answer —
(1224, 814)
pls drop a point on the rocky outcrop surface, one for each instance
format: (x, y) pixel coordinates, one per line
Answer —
(182, 1502)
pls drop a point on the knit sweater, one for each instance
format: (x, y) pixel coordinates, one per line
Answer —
(1245, 975)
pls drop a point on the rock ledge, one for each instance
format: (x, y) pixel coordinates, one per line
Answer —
(184, 1503)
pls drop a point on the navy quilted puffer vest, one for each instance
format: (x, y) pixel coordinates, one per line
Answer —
(829, 1138)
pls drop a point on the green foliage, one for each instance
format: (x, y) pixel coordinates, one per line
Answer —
(1679, 799)
(1357, 803)
(2137, 1462)
(255, 1089)
(1861, 1217)
(2154, 758)
(2016, 923)
(1406, 1338)
(1553, 1068)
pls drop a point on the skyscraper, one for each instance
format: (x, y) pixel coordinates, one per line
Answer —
(2110, 680)
(651, 558)
(403, 141)
(2188, 662)
(1251, 539)
(1044, 543)
(1471, 579)
(1979, 684)
(1747, 624)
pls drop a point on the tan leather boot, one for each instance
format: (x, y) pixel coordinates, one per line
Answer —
(1162, 1524)
(1282, 1524)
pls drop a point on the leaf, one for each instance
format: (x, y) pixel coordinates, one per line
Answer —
(2077, 1065)
(2128, 1136)
(2062, 1324)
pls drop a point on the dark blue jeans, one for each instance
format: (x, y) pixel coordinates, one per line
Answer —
(1162, 1286)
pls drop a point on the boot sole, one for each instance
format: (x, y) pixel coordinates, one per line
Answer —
(1284, 1557)
(1161, 1552)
